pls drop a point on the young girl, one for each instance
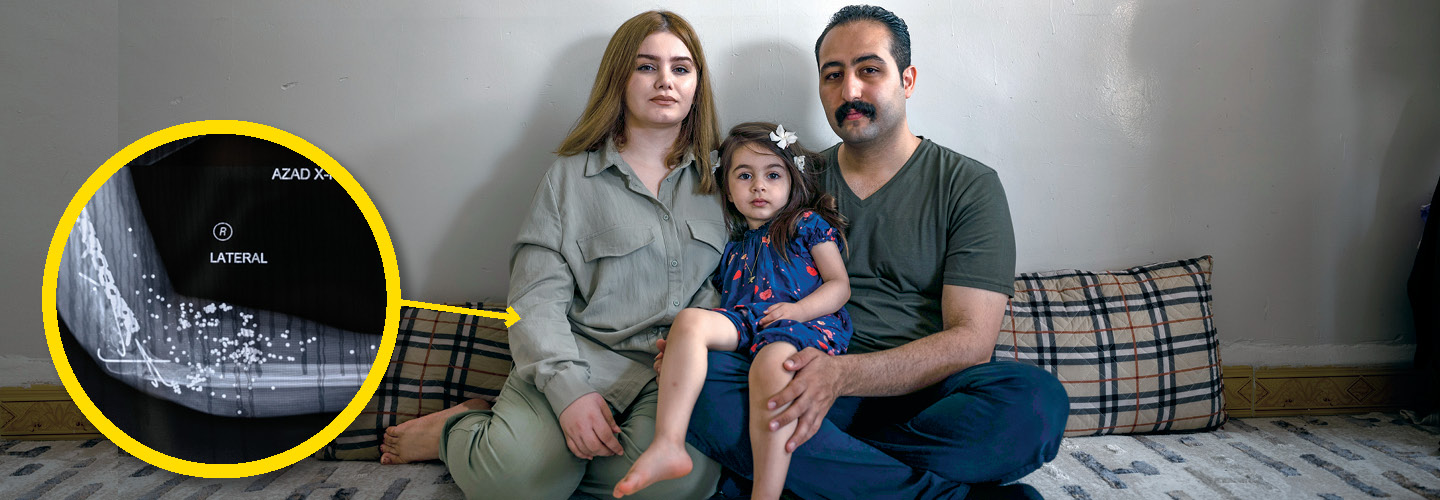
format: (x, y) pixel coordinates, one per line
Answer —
(782, 286)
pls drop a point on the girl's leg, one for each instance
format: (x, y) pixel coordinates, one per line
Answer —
(694, 333)
(637, 432)
(767, 377)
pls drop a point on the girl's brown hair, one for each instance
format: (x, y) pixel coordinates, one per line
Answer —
(604, 116)
(805, 192)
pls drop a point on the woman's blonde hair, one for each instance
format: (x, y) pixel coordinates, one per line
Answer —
(604, 116)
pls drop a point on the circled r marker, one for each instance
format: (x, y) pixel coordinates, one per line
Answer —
(222, 231)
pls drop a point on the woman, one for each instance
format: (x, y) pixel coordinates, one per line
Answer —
(622, 235)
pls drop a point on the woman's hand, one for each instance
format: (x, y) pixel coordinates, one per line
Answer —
(659, 358)
(785, 310)
(589, 428)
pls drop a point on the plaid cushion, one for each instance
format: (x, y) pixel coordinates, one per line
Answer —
(1136, 350)
(441, 359)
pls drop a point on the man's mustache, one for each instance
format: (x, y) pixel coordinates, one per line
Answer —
(865, 108)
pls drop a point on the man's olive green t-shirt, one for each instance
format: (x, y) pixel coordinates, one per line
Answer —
(941, 220)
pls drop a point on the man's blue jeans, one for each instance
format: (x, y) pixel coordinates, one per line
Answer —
(994, 422)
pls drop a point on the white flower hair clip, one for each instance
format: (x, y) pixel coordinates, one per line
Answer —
(783, 138)
(800, 162)
(714, 160)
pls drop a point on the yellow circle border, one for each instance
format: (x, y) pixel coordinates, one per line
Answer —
(62, 234)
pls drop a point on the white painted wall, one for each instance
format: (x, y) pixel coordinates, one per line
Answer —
(58, 122)
(1294, 140)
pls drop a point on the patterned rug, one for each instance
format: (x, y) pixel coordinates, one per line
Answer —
(97, 469)
(1342, 457)
(1367, 456)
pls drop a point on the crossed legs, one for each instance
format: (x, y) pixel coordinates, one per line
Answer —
(991, 422)
(419, 439)
(517, 450)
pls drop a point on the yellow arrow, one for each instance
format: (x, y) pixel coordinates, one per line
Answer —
(510, 316)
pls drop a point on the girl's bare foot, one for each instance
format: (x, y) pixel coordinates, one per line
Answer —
(658, 463)
(419, 439)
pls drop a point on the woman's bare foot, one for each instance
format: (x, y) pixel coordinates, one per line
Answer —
(419, 439)
(658, 463)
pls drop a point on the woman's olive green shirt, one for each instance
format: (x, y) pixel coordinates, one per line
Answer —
(601, 268)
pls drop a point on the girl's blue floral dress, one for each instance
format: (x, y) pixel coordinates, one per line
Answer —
(752, 277)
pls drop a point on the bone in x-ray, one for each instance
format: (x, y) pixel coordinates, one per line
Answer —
(209, 355)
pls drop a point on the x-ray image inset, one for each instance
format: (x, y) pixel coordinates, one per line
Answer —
(229, 275)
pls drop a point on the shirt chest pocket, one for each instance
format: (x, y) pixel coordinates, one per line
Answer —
(621, 265)
(709, 232)
(615, 242)
(707, 242)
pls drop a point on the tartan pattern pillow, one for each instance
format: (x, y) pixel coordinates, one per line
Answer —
(1136, 350)
(441, 359)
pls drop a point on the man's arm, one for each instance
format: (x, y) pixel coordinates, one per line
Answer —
(972, 324)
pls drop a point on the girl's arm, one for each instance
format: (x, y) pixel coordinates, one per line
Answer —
(828, 298)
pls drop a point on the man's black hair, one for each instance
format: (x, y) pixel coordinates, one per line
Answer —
(899, 33)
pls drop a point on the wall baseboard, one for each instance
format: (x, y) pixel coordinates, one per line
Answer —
(42, 412)
(1318, 390)
(45, 412)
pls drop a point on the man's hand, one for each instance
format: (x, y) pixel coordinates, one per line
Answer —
(784, 310)
(659, 358)
(589, 428)
(810, 394)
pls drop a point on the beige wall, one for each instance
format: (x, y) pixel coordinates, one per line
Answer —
(58, 121)
(1293, 140)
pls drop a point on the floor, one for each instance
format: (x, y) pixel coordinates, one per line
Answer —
(1331, 457)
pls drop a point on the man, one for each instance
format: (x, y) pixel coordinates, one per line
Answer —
(915, 409)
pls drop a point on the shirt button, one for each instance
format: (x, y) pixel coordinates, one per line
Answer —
(675, 303)
(665, 217)
(674, 263)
